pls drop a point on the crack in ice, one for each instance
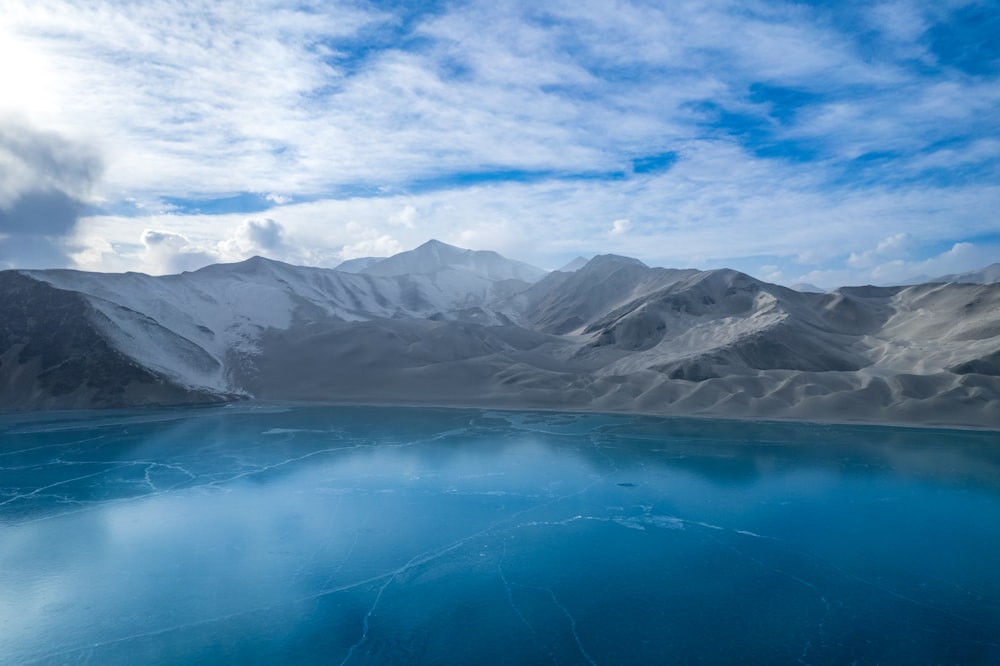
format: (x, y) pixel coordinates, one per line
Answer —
(510, 595)
(572, 625)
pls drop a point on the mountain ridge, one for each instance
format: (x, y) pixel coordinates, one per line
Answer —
(614, 334)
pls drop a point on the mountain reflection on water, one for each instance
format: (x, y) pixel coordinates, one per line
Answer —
(380, 535)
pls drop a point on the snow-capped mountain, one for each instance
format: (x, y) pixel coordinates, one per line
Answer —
(197, 329)
(443, 325)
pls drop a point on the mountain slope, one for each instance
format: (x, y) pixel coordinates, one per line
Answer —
(55, 354)
(564, 303)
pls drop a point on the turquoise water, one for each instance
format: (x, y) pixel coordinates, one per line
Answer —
(388, 535)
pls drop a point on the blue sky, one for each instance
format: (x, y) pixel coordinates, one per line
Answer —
(826, 142)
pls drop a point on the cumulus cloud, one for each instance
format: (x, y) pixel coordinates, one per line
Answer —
(45, 182)
(264, 237)
(619, 227)
(167, 252)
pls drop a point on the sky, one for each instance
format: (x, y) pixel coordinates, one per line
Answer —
(831, 143)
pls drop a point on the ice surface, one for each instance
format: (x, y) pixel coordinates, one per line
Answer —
(378, 535)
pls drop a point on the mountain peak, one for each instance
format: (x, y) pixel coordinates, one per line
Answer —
(435, 243)
(613, 259)
(434, 256)
(574, 265)
(985, 275)
(254, 264)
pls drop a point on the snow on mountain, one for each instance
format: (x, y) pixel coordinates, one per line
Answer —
(196, 326)
(56, 353)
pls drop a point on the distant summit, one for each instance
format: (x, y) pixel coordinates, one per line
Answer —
(606, 260)
(987, 275)
(358, 265)
(574, 265)
(435, 256)
(255, 265)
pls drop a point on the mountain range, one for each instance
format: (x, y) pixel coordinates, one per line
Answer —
(446, 326)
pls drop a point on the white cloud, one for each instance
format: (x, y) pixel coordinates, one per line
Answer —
(371, 246)
(952, 157)
(252, 237)
(619, 227)
(903, 21)
(167, 252)
(860, 260)
(959, 258)
(894, 245)
(182, 93)
(406, 217)
(214, 98)
(771, 273)
(209, 97)
(164, 252)
(492, 232)
(687, 219)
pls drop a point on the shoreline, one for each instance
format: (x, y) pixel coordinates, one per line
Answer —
(254, 403)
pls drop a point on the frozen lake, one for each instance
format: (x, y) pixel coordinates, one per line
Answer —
(328, 535)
